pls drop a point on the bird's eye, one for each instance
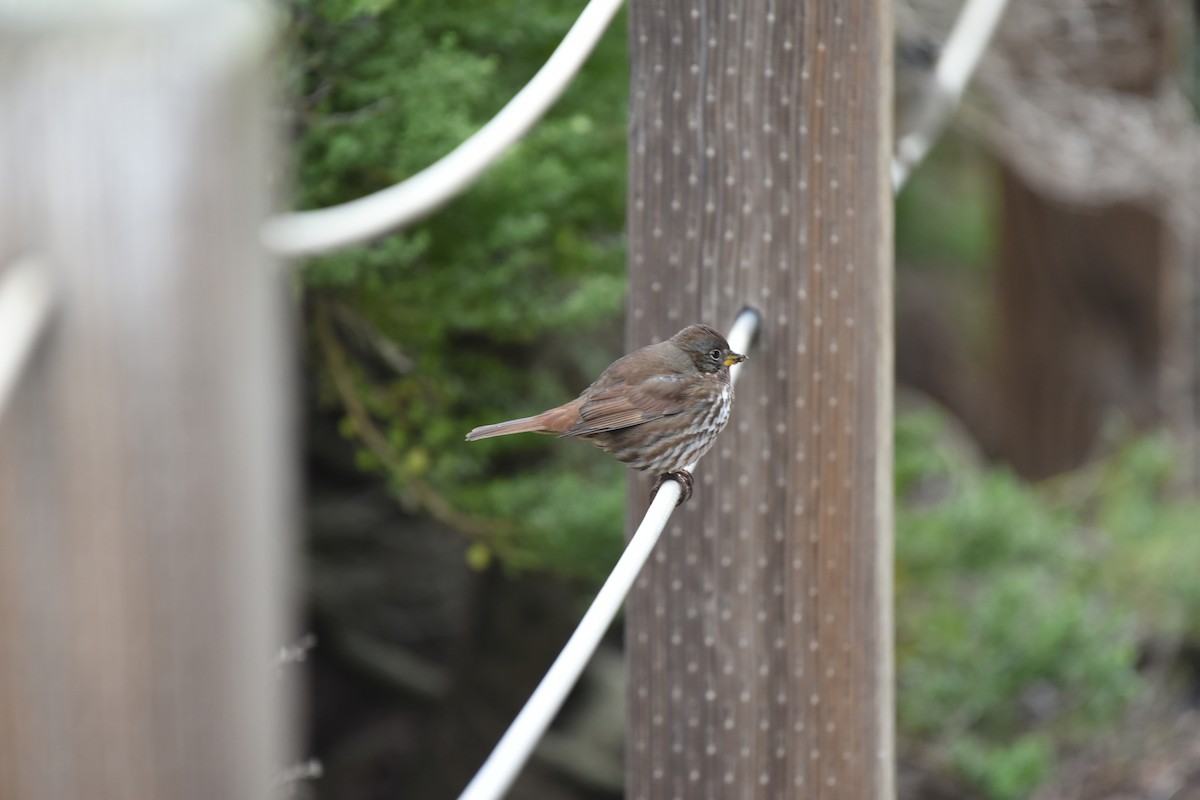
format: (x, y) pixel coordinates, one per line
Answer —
(715, 355)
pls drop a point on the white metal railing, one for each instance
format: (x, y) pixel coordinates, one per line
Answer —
(960, 55)
(514, 748)
(311, 232)
(26, 300)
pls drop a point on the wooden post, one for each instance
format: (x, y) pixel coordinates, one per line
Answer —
(760, 636)
(144, 472)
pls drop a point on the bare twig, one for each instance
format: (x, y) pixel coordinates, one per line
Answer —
(416, 492)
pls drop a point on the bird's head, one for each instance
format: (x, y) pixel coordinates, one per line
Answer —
(707, 348)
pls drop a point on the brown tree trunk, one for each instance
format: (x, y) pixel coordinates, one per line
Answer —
(1083, 309)
(1096, 316)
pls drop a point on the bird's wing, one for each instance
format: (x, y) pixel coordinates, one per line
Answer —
(623, 404)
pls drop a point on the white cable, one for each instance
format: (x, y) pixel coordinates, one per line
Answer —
(25, 303)
(514, 748)
(311, 232)
(964, 47)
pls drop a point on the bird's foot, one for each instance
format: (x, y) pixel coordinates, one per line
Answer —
(682, 477)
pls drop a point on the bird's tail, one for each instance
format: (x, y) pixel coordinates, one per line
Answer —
(556, 420)
(524, 425)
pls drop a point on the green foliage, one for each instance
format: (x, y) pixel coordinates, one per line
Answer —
(1152, 548)
(1019, 611)
(946, 214)
(506, 301)
(1004, 771)
(577, 531)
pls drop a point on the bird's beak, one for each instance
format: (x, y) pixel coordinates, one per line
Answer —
(734, 358)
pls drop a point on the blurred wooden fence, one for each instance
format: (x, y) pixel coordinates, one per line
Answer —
(145, 472)
(760, 635)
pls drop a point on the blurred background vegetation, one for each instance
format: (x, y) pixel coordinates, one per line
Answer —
(1048, 606)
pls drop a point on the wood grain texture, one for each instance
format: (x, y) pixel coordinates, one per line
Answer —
(145, 474)
(760, 635)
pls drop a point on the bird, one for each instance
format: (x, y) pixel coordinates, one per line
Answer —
(657, 409)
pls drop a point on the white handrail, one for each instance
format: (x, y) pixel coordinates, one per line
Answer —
(26, 299)
(960, 56)
(514, 748)
(305, 233)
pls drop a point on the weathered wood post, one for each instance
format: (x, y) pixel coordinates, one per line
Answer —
(145, 474)
(759, 637)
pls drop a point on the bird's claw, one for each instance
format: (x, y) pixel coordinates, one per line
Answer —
(682, 477)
